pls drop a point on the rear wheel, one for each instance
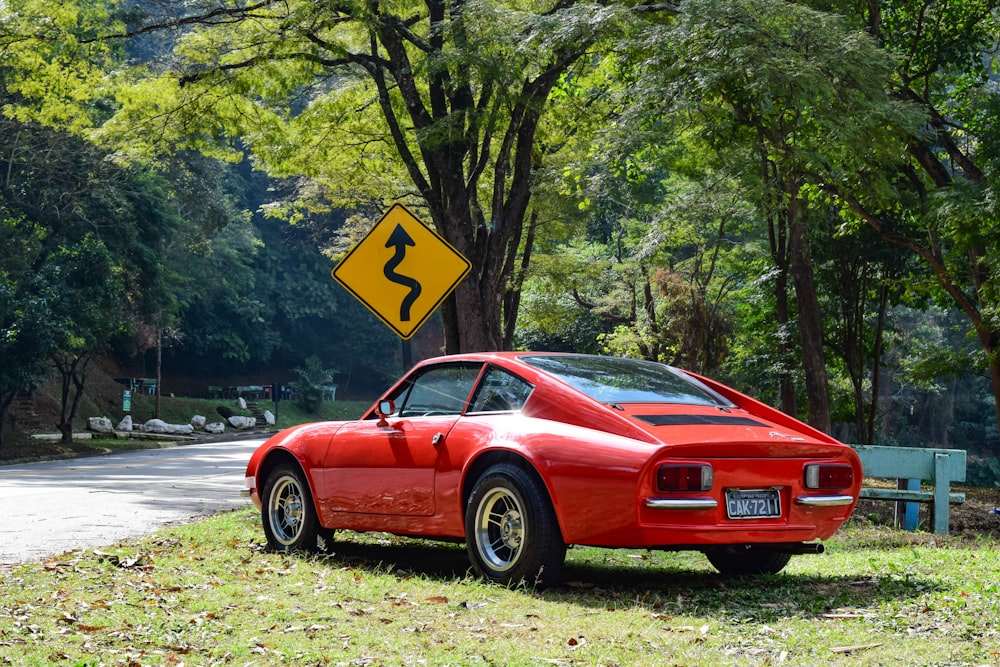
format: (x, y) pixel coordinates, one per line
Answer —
(288, 513)
(511, 530)
(747, 559)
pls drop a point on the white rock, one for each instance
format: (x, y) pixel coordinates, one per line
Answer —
(198, 422)
(269, 417)
(160, 426)
(215, 427)
(100, 425)
(242, 402)
(125, 424)
(240, 422)
(155, 426)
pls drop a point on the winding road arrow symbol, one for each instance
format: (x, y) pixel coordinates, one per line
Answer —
(399, 239)
(408, 253)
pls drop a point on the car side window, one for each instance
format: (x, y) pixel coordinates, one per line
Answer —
(443, 390)
(500, 391)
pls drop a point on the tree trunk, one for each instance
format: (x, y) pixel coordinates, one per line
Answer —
(477, 317)
(995, 377)
(512, 295)
(6, 400)
(810, 327)
(73, 372)
(449, 171)
(778, 240)
(868, 438)
(159, 365)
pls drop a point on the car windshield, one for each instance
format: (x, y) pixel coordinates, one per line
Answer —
(616, 380)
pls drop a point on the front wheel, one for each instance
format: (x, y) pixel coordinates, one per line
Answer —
(747, 559)
(287, 511)
(511, 530)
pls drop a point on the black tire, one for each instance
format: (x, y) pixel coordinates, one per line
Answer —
(747, 559)
(511, 530)
(288, 513)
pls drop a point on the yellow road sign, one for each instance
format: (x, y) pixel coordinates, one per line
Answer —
(402, 271)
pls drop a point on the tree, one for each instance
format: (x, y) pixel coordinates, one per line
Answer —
(85, 240)
(88, 309)
(52, 67)
(946, 213)
(434, 101)
(26, 336)
(654, 264)
(860, 278)
(799, 93)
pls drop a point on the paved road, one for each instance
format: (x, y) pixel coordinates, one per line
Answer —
(52, 507)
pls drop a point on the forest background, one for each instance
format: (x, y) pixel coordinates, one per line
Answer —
(797, 198)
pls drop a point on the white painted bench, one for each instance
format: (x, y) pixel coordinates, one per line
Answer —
(942, 467)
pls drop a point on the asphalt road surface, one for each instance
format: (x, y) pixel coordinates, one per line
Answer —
(49, 508)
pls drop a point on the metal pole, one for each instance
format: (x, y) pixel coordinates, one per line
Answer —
(275, 391)
(407, 355)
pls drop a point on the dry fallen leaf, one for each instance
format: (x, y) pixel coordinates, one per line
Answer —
(852, 649)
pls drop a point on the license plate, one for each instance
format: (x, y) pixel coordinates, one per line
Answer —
(765, 504)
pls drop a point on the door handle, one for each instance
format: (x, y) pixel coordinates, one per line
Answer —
(437, 439)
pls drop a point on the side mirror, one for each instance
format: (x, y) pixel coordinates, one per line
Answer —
(384, 408)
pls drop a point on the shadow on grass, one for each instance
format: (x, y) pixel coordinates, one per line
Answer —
(659, 582)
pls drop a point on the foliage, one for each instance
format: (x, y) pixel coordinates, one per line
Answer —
(86, 238)
(434, 103)
(624, 176)
(223, 314)
(945, 57)
(27, 338)
(52, 67)
(801, 95)
(983, 471)
(652, 254)
(310, 379)
(89, 310)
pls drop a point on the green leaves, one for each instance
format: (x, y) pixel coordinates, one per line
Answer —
(52, 69)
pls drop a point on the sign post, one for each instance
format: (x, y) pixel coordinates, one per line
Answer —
(401, 271)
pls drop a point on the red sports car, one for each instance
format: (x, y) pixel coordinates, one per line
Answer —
(520, 454)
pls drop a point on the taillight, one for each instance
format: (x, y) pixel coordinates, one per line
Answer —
(684, 477)
(829, 476)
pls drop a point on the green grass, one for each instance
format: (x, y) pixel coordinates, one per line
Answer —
(209, 594)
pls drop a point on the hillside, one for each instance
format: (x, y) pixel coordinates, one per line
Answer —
(103, 398)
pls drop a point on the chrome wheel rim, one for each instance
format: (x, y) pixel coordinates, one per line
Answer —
(500, 529)
(285, 510)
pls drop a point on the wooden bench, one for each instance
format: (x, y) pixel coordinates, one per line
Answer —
(914, 465)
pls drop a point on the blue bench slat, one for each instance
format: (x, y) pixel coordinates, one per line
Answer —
(912, 496)
(909, 462)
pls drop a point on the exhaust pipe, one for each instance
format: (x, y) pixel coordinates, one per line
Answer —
(800, 548)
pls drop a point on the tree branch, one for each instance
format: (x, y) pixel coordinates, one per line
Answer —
(218, 16)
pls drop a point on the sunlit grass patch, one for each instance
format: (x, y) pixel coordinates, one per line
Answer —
(209, 593)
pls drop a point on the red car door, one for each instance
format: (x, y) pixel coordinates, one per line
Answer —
(388, 467)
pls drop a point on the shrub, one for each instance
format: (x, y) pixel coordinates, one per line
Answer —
(983, 471)
(308, 384)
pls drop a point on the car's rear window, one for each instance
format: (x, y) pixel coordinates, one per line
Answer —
(617, 380)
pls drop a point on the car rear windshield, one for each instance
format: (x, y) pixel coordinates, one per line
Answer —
(616, 380)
